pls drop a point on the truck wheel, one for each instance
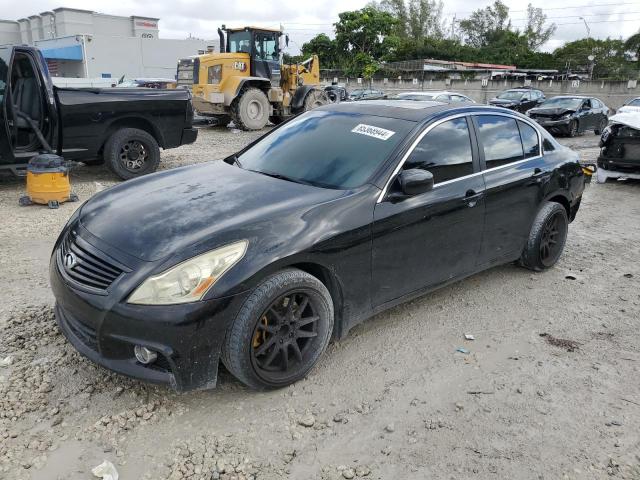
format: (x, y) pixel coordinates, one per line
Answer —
(131, 152)
(280, 332)
(315, 98)
(547, 237)
(251, 110)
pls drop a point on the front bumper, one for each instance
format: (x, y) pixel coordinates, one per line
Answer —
(553, 124)
(187, 337)
(622, 165)
(189, 135)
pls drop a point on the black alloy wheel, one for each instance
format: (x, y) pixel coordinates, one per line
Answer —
(133, 155)
(551, 242)
(284, 336)
(573, 128)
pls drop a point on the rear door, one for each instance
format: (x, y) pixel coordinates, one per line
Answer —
(515, 175)
(431, 238)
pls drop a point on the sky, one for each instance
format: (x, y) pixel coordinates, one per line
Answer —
(303, 20)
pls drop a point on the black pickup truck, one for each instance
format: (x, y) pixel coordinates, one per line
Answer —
(122, 127)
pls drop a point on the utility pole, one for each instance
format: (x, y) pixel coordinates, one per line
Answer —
(587, 27)
(453, 27)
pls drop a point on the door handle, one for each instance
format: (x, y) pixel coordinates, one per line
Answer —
(472, 197)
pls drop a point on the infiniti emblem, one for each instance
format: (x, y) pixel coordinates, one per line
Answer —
(70, 261)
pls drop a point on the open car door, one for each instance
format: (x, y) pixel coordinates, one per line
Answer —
(6, 148)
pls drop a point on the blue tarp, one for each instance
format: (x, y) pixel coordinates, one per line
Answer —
(73, 52)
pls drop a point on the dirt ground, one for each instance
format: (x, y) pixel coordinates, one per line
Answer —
(395, 399)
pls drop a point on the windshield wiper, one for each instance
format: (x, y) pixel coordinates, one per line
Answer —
(279, 176)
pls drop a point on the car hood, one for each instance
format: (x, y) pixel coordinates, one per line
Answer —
(550, 111)
(502, 101)
(160, 214)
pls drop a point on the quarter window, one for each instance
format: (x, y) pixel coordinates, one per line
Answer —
(500, 140)
(530, 141)
(445, 151)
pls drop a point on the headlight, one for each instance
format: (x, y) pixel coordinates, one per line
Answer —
(214, 74)
(190, 280)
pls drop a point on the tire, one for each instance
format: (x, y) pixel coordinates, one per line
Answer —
(572, 129)
(600, 128)
(315, 98)
(551, 216)
(258, 339)
(251, 110)
(120, 150)
(277, 120)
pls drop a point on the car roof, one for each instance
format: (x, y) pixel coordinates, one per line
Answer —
(571, 96)
(432, 92)
(411, 110)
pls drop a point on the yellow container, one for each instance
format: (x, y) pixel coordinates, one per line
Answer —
(48, 181)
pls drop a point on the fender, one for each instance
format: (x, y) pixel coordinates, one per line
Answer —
(261, 83)
(297, 102)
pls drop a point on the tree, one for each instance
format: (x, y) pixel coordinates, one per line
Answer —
(360, 38)
(486, 25)
(610, 60)
(633, 45)
(536, 32)
(325, 48)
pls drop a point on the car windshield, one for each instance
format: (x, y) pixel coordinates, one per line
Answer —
(510, 95)
(563, 102)
(329, 149)
(357, 92)
(634, 103)
(128, 84)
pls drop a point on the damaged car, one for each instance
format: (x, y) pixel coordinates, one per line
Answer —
(631, 106)
(519, 99)
(620, 148)
(571, 115)
(333, 216)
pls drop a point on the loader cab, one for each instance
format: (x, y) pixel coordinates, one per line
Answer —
(27, 101)
(263, 47)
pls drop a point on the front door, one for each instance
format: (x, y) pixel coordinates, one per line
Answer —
(265, 62)
(515, 175)
(428, 239)
(6, 121)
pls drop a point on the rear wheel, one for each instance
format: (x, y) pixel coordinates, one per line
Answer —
(251, 110)
(280, 332)
(131, 152)
(315, 98)
(547, 237)
(601, 126)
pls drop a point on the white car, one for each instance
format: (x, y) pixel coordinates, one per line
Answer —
(631, 106)
(438, 96)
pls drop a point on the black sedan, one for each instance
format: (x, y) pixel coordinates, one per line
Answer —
(518, 99)
(335, 215)
(571, 115)
(366, 94)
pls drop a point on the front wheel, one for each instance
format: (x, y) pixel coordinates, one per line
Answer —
(251, 110)
(131, 152)
(547, 237)
(314, 99)
(572, 130)
(280, 332)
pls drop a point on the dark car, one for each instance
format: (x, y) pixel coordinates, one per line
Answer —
(620, 148)
(366, 94)
(571, 115)
(122, 127)
(336, 93)
(518, 99)
(333, 216)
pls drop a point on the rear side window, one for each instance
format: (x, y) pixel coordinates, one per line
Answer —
(530, 142)
(500, 139)
(445, 151)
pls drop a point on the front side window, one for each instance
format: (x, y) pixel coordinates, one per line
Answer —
(327, 149)
(634, 103)
(530, 142)
(240, 42)
(500, 140)
(445, 151)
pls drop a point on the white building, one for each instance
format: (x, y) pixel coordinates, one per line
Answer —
(82, 43)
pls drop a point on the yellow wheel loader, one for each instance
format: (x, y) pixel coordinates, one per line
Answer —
(248, 83)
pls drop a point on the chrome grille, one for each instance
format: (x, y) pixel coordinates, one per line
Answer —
(85, 265)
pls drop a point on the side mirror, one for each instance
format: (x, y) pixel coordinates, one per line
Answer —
(415, 181)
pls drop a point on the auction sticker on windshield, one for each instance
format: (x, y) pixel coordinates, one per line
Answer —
(371, 131)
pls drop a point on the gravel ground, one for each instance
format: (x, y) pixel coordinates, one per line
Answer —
(392, 400)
